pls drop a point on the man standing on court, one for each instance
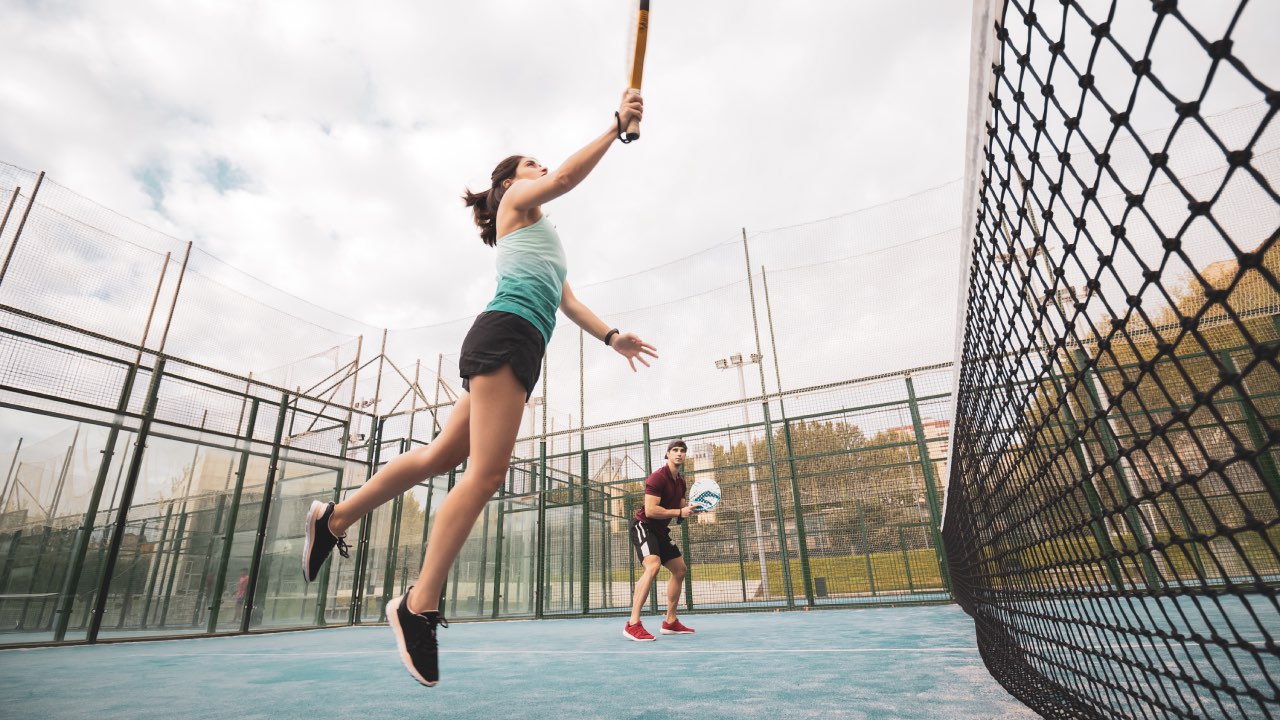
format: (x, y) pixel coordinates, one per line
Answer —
(664, 499)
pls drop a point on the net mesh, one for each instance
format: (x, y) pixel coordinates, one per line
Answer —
(1112, 509)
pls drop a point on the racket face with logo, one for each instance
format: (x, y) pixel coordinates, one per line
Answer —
(704, 494)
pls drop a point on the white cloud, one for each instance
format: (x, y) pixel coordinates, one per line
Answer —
(349, 133)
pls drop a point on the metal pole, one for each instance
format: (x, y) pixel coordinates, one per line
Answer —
(806, 571)
(586, 534)
(755, 322)
(126, 500)
(499, 591)
(1266, 464)
(377, 383)
(393, 554)
(866, 548)
(264, 514)
(21, 224)
(62, 476)
(157, 561)
(783, 555)
(229, 531)
(207, 577)
(1097, 522)
(322, 584)
(930, 486)
(773, 339)
(540, 574)
(173, 306)
(1110, 448)
(358, 578)
(35, 576)
(178, 538)
(13, 199)
(751, 478)
(8, 477)
(801, 536)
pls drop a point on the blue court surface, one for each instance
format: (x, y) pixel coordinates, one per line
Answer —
(912, 662)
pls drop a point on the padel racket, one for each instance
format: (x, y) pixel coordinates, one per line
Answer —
(638, 43)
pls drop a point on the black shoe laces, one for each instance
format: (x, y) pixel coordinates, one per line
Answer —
(432, 621)
(427, 640)
(343, 547)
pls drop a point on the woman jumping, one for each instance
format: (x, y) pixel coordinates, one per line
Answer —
(500, 362)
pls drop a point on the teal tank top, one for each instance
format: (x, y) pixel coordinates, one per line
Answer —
(531, 274)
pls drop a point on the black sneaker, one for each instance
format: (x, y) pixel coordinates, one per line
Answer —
(416, 639)
(320, 540)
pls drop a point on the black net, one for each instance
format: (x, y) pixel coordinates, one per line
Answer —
(1111, 520)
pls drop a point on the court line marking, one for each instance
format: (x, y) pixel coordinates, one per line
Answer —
(756, 651)
(743, 651)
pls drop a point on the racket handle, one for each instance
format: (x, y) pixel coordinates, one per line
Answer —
(633, 127)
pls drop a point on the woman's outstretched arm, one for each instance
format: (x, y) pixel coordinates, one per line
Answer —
(528, 194)
(627, 344)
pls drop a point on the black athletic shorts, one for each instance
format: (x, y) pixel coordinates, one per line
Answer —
(653, 540)
(501, 338)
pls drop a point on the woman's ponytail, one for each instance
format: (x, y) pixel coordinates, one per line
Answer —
(484, 205)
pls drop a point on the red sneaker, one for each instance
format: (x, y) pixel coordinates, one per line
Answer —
(675, 628)
(638, 633)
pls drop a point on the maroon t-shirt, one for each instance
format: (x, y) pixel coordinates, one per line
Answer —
(668, 489)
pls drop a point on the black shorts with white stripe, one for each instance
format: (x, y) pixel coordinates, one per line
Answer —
(652, 539)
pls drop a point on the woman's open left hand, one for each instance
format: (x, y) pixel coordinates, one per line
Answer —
(631, 347)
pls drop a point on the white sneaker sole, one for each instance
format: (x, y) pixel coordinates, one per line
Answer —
(629, 636)
(676, 632)
(393, 617)
(317, 509)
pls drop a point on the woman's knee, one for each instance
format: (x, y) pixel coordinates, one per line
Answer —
(443, 457)
(490, 479)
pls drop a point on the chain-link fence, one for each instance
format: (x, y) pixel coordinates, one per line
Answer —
(171, 418)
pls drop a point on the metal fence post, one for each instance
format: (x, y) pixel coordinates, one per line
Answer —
(1097, 522)
(228, 535)
(498, 590)
(586, 534)
(126, 499)
(71, 582)
(540, 590)
(801, 536)
(784, 557)
(1111, 449)
(1266, 464)
(648, 463)
(264, 513)
(8, 257)
(930, 484)
(359, 566)
(322, 583)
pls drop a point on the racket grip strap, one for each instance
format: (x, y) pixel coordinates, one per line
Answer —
(625, 136)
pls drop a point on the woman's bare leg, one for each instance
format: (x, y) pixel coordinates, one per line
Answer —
(444, 453)
(497, 407)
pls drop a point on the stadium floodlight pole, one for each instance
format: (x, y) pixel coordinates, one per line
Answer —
(736, 360)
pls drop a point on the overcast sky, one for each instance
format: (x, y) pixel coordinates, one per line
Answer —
(323, 148)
